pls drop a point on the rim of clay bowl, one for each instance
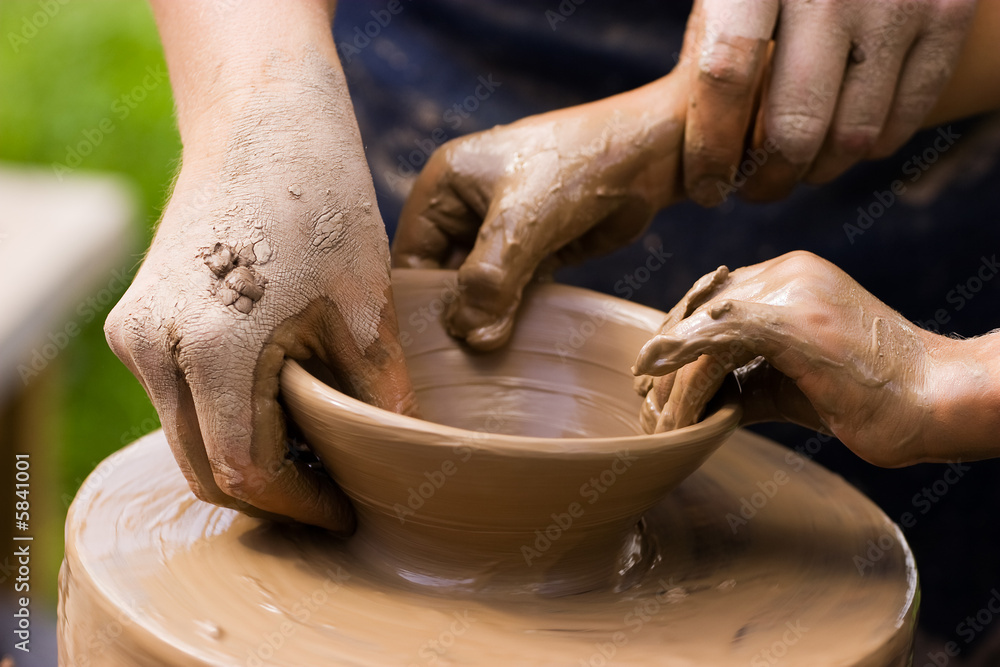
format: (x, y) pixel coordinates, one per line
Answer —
(714, 428)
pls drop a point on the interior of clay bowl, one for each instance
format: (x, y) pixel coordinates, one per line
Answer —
(530, 468)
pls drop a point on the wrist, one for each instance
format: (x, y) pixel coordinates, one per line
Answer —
(221, 56)
(964, 375)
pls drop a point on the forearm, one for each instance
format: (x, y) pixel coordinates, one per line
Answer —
(964, 421)
(219, 53)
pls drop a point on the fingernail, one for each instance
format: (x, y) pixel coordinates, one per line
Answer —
(491, 336)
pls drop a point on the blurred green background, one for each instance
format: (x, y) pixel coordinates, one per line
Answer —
(60, 75)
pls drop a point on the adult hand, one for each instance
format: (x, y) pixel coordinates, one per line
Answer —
(550, 188)
(846, 81)
(271, 247)
(825, 353)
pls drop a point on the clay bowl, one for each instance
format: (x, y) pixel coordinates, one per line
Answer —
(530, 470)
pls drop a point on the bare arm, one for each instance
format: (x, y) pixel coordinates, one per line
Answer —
(271, 246)
(217, 53)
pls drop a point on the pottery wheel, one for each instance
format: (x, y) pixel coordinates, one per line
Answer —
(764, 559)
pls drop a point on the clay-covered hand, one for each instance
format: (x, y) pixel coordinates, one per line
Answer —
(847, 81)
(545, 190)
(271, 246)
(813, 347)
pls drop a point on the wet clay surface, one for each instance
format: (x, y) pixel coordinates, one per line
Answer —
(817, 576)
(532, 471)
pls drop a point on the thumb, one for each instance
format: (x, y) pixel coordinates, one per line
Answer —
(768, 395)
(375, 372)
(515, 237)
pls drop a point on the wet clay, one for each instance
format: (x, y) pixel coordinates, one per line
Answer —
(478, 543)
(532, 471)
(816, 575)
(238, 285)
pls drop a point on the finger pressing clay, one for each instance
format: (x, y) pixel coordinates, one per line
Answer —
(827, 355)
(548, 189)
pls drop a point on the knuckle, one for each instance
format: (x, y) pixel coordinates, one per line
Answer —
(206, 496)
(727, 67)
(114, 329)
(482, 281)
(127, 331)
(240, 479)
(799, 257)
(798, 263)
(448, 159)
(953, 15)
(236, 480)
(439, 164)
(798, 134)
(197, 341)
(855, 139)
(704, 160)
(931, 76)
